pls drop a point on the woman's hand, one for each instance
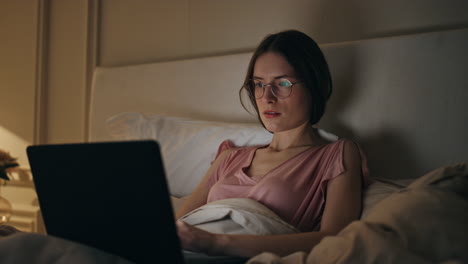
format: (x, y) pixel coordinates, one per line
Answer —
(198, 240)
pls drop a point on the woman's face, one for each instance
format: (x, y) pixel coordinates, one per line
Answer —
(280, 115)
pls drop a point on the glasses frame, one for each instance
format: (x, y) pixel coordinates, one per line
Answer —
(251, 90)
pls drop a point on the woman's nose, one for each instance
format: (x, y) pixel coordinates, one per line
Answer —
(268, 93)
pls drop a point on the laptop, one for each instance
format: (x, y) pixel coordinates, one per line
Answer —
(112, 196)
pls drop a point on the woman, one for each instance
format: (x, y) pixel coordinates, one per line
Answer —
(309, 182)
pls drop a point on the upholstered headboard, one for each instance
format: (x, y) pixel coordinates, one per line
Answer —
(402, 98)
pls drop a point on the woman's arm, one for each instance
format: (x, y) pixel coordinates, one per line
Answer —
(344, 193)
(343, 205)
(198, 240)
(200, 194)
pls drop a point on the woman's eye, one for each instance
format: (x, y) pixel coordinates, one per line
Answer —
(284, 83)
(259, 85)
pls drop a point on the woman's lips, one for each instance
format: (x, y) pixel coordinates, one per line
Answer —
(271, 114)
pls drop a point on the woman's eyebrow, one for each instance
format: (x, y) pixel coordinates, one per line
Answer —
(276, 77)
(284, 76)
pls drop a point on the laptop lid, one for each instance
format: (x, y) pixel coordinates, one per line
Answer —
(112, 196)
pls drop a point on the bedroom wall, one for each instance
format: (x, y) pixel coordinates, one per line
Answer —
(149, 31)
(18, 58)
(69, 66)
(45, 67)
(21, 33)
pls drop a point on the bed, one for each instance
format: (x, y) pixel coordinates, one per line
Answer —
(403, 99)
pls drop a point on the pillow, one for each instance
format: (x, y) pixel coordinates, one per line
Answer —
(188, 146)
(446, 177)
(380, 189)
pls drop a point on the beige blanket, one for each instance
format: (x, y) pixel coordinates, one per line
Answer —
(423, 223)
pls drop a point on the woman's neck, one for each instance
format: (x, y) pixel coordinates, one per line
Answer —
(303, 136)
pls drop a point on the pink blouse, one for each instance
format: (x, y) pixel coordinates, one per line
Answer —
(295, 190)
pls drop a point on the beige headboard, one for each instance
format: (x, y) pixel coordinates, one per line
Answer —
(402, 98)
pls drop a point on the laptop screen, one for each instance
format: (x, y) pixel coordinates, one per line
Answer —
(112, 196)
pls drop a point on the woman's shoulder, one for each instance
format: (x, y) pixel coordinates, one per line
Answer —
(341, 145)
(337, 143)
(228, 148)
(340, 142)
(344, 148)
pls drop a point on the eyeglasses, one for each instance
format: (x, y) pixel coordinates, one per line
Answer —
(281, 88)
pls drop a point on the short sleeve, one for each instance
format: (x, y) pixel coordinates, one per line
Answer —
(364, 169)
(335, 160)
(225, 145)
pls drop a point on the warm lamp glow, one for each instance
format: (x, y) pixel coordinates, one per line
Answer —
(5, 210)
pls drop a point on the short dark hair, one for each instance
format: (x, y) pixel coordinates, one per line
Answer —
(308, 62)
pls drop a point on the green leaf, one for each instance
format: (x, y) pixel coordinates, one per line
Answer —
(4, 175)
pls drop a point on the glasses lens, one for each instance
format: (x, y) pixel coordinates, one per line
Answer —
(258, 88)
(282, 88)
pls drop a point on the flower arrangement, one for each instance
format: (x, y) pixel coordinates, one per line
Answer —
(7, 164)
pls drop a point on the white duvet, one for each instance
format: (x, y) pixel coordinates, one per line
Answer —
(238, 216)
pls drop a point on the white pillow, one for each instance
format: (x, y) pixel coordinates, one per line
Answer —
(188, 146)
